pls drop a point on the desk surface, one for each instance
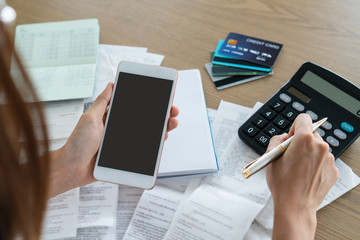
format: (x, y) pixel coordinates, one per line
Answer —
(185, 31)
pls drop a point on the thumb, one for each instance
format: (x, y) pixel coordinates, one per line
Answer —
(102, 101)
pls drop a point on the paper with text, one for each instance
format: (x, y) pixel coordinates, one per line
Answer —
(127, 202)
(156, 210)
(108, 59)
(60, 58)
(253, 193)
(228, 119)
(61, 216)
(213, 214)
(97, 205)
(61, 117)
(98, 233)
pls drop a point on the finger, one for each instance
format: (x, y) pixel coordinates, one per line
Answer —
(331, 158)
(173, 123)
(276, 140)
(105, 115)
(321, 141)
(174, 112)
(317, 136)
(334, 169)
(302, 122)
(99, 107)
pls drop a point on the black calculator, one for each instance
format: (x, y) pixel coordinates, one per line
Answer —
(318, 92)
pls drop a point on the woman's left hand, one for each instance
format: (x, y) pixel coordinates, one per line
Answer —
(73, 165)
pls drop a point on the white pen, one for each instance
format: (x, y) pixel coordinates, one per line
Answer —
(275, 153)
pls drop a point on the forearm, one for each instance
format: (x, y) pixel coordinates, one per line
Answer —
(61, 179)
(290, 225)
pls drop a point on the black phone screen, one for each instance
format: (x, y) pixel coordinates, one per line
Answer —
(135, 125)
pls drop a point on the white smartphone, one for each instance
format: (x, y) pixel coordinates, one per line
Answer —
(135, 126)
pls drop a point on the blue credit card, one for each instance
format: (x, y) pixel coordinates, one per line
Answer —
(230, 81)
(224, 60)
(251, 49)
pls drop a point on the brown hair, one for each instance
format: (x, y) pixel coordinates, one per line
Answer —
(23, 172)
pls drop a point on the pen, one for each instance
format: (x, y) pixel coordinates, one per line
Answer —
(275, 153)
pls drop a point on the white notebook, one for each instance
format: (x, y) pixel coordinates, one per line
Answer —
(189, 148)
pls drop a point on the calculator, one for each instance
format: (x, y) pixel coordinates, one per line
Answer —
(318, 92)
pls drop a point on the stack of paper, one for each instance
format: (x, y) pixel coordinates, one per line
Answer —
(60, 58)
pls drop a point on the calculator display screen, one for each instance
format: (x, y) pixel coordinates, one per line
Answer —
(331, 92)
(299, 94)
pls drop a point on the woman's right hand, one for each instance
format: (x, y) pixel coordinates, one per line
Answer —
(300, 180)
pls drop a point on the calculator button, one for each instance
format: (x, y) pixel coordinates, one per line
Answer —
(313, 115)
(285, 98)
(347, 127)
(332, 141)
(268, 113)
(298, 106)
(330, 149)
(277, 106)
(326, 125)
(251, 130)
(321, 132)
(340, 134)
(259, 121)
(272, 130)
(262, 139)
(281, 122)
(290, 114)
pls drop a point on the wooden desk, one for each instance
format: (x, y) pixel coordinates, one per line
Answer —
(185, 31)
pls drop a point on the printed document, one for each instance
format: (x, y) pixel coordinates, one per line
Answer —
(156, 209)
(213, 214)
(108, 59)
(212, 200)
(61, 216)
(128, 200)
(97, 205)
(62, 116)
(60, 57)
(228, 119)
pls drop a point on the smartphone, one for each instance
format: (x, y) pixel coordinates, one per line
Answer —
(135, 126)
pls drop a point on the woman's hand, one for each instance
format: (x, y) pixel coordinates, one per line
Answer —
(73, 165)
(300, 180)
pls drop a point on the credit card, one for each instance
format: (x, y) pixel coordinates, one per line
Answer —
(218, 70)
(230, 81)
(251, 49)
(224, 60)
